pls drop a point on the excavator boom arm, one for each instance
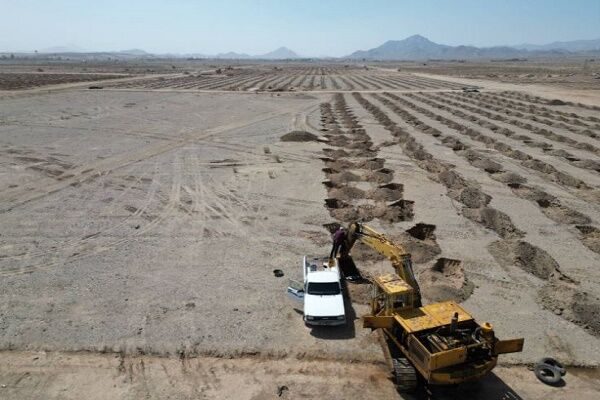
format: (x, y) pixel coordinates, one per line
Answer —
(398, 256)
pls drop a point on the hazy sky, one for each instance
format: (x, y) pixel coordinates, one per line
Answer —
(321, 27)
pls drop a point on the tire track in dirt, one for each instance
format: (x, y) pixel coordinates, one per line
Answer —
(14, 197)
(83, 241)
(171, 201)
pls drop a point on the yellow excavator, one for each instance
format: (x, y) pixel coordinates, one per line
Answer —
(438, 343)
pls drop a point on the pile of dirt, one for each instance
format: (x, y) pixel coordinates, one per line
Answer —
(494, 220)
(383, 175)
(560, 153)
(526, 256)
(420, 242)
(345, 214)
(473, 197)
(479, 161)
(299, 136)
(401, 210)
(572, 304)
(336, 153)
(387, 192)
(590, 237)
(556, 102)
(533, 193)
(562, 214)
(338, 165)
(510, 178)
(366, 153)
(363, 145)
(336, 203)
(372, 164)
(452, 180)
(343, 177)
(347, 193)
(445, 280)
(588, 164)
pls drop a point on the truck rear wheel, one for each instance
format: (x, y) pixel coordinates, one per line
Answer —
(405, 375)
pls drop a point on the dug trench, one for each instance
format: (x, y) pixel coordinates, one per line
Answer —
(359, 187)
(511, 251)
(544, 169)
(548, 204)
(382, 199)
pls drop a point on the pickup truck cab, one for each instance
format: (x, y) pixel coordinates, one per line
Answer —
(321, 291)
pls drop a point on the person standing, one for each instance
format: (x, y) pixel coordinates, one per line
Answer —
(339, 238)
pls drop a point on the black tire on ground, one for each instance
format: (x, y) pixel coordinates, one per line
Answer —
(405, 375)
(555, 363)
(547, 374)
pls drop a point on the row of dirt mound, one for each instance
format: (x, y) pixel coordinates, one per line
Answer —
(446, 278)
(359, 186)
(473, 198)
(528, 141)
(502, 112)
(561, 294)
(475, 202)
(545, 170)
(548, 204)
(440, 279)
(553, 102)
(541, 115)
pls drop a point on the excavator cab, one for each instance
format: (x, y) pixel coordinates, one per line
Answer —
(390, 294)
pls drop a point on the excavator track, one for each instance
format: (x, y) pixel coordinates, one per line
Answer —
(405, 375)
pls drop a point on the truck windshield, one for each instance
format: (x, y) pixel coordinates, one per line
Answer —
(323, 288)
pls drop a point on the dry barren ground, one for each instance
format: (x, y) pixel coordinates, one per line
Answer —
(141, 224)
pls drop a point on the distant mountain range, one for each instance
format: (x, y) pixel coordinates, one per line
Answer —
(572, 46)
(282, 53)
(417, 47)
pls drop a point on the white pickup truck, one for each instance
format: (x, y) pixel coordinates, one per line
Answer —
(321, 291)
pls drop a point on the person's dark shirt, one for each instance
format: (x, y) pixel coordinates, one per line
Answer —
(339, 236)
